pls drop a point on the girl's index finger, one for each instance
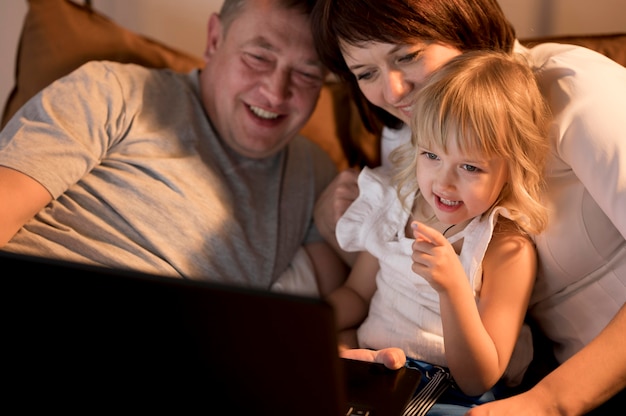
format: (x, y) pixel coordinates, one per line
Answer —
(417, 232)
(422, 232)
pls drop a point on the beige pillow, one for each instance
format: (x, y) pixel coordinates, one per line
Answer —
(59, 35)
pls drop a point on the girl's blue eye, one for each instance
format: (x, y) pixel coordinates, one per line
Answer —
(470, 168)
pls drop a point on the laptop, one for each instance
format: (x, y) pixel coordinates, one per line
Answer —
(83, 338)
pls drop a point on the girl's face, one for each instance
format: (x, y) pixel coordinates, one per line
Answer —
(459, 186)
(390, 75)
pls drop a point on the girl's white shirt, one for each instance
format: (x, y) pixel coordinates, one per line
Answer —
(404, 311)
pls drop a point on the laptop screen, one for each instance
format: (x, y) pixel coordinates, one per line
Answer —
(74, 333)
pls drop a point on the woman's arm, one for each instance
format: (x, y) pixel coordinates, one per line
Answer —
(589, 378)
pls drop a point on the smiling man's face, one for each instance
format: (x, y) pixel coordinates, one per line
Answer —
(262, 78)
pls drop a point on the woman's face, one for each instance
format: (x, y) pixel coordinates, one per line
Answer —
(390, 75)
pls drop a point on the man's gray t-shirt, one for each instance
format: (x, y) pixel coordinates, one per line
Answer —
(140, 180)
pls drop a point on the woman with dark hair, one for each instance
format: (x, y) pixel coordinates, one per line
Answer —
(386, 50)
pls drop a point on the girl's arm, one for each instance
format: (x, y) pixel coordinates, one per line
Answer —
(351, 301)
(330, 271)
(332, 204)
(479, 338)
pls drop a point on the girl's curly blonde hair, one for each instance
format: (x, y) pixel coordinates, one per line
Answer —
(490, 102)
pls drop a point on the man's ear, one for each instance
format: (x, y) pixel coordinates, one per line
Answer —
(214, 35)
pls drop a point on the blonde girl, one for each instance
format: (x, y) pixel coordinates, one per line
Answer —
(447, 263)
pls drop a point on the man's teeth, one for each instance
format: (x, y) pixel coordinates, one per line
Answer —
(448, 202)
(263, 113)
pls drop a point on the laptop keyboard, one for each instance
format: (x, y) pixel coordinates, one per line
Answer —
(357, 411)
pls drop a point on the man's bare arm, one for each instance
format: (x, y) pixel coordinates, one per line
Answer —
(21, 197)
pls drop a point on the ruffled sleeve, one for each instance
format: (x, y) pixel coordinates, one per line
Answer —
(477, 236)
(376, 213)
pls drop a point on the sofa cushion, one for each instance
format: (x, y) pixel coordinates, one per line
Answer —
(60, 35)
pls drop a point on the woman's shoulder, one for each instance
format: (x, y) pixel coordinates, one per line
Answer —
(564, 54)
(559, 65)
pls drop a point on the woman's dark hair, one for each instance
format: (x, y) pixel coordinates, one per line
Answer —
(465, 24)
